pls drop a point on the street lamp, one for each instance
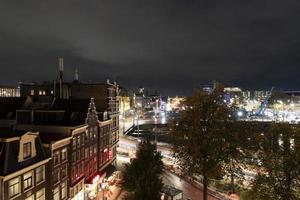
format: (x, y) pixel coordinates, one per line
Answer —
(156, 109)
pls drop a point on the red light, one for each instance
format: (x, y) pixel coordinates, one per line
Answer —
(96, 179)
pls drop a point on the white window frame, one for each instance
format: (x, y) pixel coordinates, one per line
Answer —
(32, 180)
(19, 187)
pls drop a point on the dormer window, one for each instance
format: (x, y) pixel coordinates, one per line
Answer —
(27, 147)
(27, 150)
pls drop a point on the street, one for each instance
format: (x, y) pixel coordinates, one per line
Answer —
(129, 145)
(188, 189)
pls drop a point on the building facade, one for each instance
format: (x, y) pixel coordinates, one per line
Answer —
(23, 168)
(80, 141)
(9, 91)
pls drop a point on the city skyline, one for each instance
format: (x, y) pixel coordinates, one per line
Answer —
(172, 46)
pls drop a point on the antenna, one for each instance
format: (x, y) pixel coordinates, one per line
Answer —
(61, 64)
(76, 75)
(61, 70)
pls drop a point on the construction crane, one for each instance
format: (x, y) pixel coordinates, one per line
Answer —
(264, 104)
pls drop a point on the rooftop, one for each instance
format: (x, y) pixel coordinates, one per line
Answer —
(9, 133)
(48, 137)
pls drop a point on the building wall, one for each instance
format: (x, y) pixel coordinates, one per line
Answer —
(59, 169)
(9, 91)
(31, 191)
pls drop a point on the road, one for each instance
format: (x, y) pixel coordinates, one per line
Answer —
(191, 191)
(129, 145)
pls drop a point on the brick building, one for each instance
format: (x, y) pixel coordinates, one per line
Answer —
(23, 166)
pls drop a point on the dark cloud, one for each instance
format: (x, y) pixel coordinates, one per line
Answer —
(169, 45)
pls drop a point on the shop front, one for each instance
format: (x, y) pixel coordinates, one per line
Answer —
(77, 191)
(93, 185)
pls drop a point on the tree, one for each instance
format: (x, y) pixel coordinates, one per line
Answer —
(142, 176)
(200, 141)
(279, 164)
(237, 154)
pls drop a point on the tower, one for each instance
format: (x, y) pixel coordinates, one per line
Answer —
(61, 74)
(76, 76)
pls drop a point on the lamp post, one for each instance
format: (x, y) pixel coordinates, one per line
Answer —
(156, 110)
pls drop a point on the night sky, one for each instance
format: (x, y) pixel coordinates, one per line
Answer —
(169, 45)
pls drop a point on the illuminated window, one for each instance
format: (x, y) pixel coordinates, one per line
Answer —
(40, 195)
(32, 92)
(64, 154)
(30, 198)
(27, 150)
(56, 194)
(28, 180)
(14, 187)
(64, 190)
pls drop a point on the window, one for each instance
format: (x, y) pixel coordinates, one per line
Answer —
(78, 141)
(73, 173)
(14, 187)
(64, 190)
(27, 180)
(64, 154)
(27, 150)
(64, 171)
(56, 176)
(56, 158)
(56, 194)
(95, 131)
(40, 174)
(91, 151)
(78, 155)
(82, 153)
(30, 198)
(40, 195)
(31, 92)
(95, 149)
(74, 157)
(86, 153)
(86, 134)
(74, 143)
